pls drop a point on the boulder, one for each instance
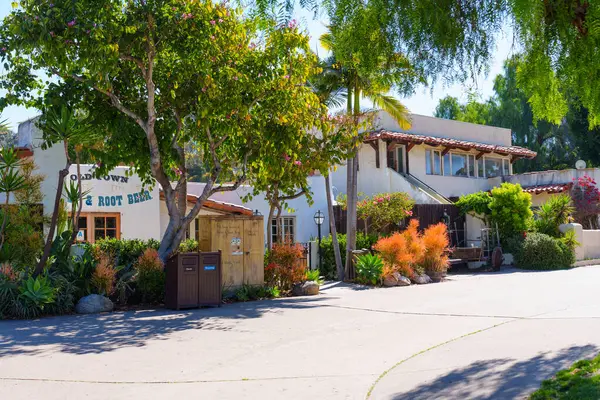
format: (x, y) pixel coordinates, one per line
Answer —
(390, 280)
(297, 289)
(94, 303)
(403, 281)
(421, 279)
(310, 288)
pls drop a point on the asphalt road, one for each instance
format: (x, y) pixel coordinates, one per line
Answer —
(492, 336)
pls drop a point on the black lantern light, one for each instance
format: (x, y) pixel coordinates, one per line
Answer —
(319, 218)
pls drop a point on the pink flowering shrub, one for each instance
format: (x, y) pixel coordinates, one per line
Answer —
(384, 211)
(586, 199)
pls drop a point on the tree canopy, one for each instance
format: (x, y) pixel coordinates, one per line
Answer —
(558, 146)
(156, 75)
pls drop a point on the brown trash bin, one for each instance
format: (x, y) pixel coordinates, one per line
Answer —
(181, 289)
(193, 280)
(209, 279)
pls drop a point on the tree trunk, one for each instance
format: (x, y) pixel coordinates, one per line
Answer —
(352, 190)
(269, 227)
(350, 222)
(77, 212)
(48, 246)
(334, 240)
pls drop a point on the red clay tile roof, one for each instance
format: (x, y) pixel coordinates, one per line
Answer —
(451, 143)
(23, 152)
(218, 205)
(555, 188)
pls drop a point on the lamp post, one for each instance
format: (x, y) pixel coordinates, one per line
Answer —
(319, 218)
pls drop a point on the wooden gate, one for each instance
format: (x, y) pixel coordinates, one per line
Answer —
(241, 241)
(431, 214)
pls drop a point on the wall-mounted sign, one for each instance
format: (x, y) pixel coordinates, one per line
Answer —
(113, 178)
(236, 246)
(117, 200)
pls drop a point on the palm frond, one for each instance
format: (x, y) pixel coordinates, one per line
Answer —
(326, 41)
(392, 106)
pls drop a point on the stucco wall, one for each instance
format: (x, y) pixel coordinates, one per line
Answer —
(553, 177)
(591, 243)
(424, 125)
(300, 209)
(118, 193)
(49, 161)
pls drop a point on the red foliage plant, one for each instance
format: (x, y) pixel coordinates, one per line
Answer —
(284, 267)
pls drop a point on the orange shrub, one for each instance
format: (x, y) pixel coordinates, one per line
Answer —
(394, 251)
(8, 272)
(284, 266)
(103, 278)
(436, 242)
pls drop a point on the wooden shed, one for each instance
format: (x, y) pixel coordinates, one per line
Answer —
(241, 241)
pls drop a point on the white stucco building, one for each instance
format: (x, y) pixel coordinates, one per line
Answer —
(435, 161)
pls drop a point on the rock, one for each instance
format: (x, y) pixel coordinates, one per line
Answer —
(310, 288)
(421, 279)
(403, 281)
(94, 303)
(390, 280)
(297, 289)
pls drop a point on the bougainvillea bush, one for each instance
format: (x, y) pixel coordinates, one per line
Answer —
(586, 200)
(385, 210)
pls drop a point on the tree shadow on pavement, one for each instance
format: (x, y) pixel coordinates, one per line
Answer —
(98, 333)
(498, 378)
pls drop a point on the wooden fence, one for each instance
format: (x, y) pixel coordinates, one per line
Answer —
(426, 214)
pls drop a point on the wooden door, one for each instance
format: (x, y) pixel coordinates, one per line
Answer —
(227, 236)
(254, 247)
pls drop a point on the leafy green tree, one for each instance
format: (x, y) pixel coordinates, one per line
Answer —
(154, 75)
(510, 210)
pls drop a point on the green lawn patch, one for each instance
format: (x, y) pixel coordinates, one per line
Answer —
(580, 382)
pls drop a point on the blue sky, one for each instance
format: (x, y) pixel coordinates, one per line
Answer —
(423, 101)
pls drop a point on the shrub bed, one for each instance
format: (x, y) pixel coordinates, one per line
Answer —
(539, 251)
(328, 266)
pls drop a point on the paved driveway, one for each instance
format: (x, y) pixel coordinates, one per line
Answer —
(491, 336)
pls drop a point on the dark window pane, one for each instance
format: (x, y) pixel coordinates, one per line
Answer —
(111, 222)
(100, 234)
(400, 153)
(82, 222)
(111, 233)
(99, 222)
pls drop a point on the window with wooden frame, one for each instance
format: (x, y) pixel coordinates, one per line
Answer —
(96, 226)
(288, 229)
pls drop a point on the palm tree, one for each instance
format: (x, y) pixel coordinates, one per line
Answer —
(344, 77)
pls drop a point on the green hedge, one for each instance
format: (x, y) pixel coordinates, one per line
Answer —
(127, 250)
(542, 252)
(328, 266)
